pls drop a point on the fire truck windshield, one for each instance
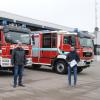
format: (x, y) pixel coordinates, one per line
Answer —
(14, 37)
(86, 42)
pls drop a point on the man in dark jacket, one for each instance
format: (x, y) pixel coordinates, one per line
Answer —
(73, 59)
(18, 61)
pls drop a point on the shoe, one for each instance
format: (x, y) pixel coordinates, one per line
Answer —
(14, 86)
(21, 85)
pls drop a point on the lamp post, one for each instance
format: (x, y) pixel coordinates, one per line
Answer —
(96, 25)
(96, 18)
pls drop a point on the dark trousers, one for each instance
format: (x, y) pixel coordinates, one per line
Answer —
(74, 73)
(18, 73)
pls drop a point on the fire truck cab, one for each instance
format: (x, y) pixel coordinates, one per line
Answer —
(52, 47)
(9, 36)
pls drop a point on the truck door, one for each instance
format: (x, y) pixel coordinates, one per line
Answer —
(0, 46)
(35, 48)
(0, 39)
(49, 47)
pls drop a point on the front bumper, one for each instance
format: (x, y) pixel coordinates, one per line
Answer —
(6, 62)
(85, 63)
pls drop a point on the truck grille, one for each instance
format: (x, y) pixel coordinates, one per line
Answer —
(87, 54)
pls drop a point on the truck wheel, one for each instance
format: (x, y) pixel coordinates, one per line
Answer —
(61, 67)
(79, 70)
(36, 66)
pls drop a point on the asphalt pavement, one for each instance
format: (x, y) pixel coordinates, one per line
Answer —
(43, 84)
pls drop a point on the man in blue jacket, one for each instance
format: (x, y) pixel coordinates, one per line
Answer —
(73, 59)
(18, 61)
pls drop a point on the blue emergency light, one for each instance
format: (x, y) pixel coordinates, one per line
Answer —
(76, 30)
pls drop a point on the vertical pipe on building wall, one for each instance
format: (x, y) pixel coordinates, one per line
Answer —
(96, 24)
(96, 14)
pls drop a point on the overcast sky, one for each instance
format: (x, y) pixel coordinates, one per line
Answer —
(72, 13)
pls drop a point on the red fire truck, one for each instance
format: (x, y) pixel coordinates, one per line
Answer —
(51, 48)
(9, 36)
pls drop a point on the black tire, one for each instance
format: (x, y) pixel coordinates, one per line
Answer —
(79, 70)
(53, 69)
(36, 66)
(61, 67)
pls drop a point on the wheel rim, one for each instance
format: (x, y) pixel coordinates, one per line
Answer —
(60, 67)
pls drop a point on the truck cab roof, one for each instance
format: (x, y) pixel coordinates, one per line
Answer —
(58, 32)
(85, 35)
